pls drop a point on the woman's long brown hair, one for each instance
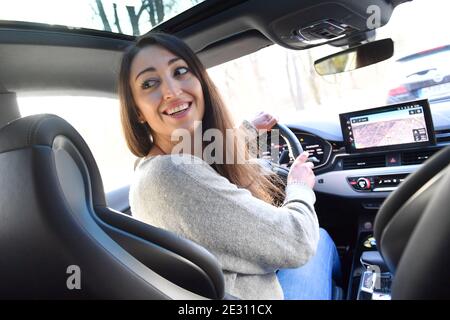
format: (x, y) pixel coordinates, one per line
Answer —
(138, 136)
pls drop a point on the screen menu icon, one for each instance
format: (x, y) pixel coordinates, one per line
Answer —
(420, 134)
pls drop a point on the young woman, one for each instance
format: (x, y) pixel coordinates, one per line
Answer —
(226, 206)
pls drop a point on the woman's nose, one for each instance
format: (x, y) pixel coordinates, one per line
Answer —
(170, 89)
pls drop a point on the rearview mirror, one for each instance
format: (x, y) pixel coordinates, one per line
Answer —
(356, 57)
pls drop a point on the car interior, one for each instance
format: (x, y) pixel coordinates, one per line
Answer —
(384, 204)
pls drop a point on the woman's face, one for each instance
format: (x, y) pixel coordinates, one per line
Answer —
(167, 93)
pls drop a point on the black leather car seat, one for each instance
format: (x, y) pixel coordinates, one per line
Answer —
(412, 232)
(53, 215)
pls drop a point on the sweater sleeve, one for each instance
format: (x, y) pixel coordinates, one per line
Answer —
(249, 129)
(246, 234)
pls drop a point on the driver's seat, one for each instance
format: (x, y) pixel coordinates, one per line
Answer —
(59, 240)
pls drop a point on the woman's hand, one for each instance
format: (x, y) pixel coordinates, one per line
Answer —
(264, 120)
(301, 171)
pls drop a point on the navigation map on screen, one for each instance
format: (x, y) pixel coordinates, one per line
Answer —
(388, 128)
(406, 124)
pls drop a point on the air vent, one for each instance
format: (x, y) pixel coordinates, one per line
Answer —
(442, 135)
(361, 162)
(416, 157)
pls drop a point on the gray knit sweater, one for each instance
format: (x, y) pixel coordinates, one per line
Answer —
(250, 238)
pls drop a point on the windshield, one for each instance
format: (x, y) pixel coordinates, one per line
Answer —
(132, 17)
(284, 82)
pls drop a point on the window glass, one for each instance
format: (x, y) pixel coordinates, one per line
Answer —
(132, 17)
(98, 122)
(285, 83)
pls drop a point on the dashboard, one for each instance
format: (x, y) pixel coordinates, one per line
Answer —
(369, 173)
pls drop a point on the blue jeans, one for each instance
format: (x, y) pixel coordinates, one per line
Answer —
(313, 281)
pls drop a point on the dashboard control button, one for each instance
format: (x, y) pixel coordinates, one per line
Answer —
(364, 183)
(381, 183)
(393, 159)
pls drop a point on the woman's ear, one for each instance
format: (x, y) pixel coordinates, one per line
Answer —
(140, 117)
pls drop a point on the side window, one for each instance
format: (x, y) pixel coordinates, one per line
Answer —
(98, 122)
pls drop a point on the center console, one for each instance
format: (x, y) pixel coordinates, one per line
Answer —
(370, 277)
(375, 282)
(378, 142)
(382, 146)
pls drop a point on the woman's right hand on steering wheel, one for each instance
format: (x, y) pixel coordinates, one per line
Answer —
(301, 171)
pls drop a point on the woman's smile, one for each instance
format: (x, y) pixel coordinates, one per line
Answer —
(178, 110)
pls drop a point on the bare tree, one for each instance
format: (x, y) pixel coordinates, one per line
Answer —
(116, 19)
(295, 89)
(313, 76)
(254, 61)
(134, 19)
(156, 10)
(102, 14)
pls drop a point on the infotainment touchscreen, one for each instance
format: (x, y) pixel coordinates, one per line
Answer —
(402, 125)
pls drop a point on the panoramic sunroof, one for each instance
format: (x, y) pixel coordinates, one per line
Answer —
(131, 17)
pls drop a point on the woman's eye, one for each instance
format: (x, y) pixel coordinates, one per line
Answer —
(181, 71)
(147, 84)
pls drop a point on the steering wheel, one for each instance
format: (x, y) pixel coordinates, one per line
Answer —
(412, 229)
(295, 148)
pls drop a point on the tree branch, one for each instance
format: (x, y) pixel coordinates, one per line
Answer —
(101, 12)
(116, 19)
(134, 20)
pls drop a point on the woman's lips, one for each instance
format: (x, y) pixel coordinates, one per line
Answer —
(179, 114)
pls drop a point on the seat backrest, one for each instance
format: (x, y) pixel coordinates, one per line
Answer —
(53, 216)
(399, 216)
(412, 235)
